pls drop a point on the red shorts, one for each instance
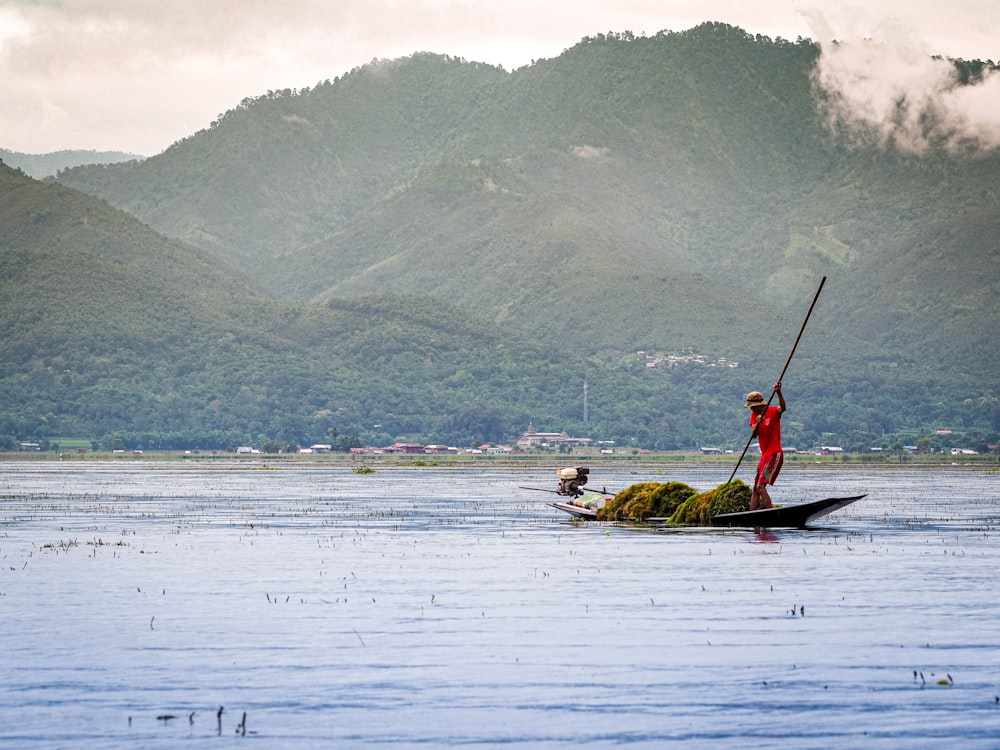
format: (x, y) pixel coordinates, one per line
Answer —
(768, 468)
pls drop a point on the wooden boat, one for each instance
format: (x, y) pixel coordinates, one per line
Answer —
(585, 506)
(787, 516)
(577, 511)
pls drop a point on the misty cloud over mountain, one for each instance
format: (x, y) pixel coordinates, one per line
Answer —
(892, 90)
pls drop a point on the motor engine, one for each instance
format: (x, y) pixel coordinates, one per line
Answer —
(571, 480)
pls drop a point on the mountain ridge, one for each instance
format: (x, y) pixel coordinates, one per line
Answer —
(49, 164)
(701, 151)
(666, 194)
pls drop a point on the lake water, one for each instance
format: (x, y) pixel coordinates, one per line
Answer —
(446, 607)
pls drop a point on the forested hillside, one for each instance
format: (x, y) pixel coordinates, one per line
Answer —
(112, 332)
(672, 175)
(45, 165)
(670, 194)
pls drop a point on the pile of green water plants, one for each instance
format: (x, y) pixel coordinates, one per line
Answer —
(680, 503)
(732, 497)
(646, 500)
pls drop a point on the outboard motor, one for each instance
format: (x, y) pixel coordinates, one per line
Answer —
(571, 481)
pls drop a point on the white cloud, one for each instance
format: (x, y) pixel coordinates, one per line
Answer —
(886, 83)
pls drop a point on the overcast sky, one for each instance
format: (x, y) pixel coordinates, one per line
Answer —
(138, 75)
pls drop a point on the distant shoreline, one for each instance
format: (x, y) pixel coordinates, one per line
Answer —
(672, 458)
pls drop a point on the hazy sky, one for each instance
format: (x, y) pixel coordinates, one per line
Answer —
(137, 75)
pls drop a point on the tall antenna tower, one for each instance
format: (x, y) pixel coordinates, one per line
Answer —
(585, 389)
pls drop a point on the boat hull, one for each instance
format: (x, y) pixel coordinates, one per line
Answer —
(577, 511)
(788, 516)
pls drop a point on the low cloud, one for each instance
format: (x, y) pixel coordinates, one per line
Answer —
(890, 89)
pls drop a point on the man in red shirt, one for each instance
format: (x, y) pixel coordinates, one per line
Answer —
(767, 429)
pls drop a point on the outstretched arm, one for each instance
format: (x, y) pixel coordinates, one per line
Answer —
(781, 398)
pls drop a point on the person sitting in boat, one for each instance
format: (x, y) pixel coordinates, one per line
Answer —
(766, 427)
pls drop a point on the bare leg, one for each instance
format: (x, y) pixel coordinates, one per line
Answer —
(760, 498)
(765, 497)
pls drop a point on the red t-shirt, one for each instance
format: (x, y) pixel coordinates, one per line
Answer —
(769, 432)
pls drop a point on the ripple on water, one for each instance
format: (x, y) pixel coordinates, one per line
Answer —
(448, 607)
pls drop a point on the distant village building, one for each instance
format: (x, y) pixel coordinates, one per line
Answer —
(660, 361)
(532, 438)
(440, 450)
(404, 448)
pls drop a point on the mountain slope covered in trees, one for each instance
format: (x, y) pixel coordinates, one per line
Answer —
(645, 180)
(667, 194)
(46, 165)
(112, 332)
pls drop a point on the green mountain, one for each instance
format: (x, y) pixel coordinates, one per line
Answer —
(659, 183)
(111, 331)
(46, 165)
(671, 194)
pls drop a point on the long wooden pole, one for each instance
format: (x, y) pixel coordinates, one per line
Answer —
(782, 375)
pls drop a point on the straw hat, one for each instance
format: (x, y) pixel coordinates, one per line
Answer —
(754, 398)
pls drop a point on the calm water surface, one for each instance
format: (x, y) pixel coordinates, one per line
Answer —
(446, 607)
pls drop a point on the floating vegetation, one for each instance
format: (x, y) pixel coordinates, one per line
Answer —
(682, 504)
(63, 545)
(363, 470)
(101, 543)
(945, 681)
(646, 500)
(732, 497)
